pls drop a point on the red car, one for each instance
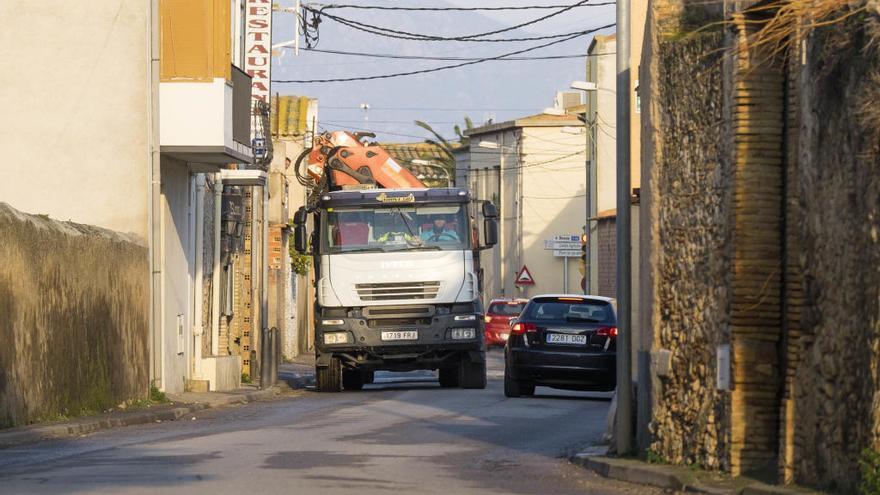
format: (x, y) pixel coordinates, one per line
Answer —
(498, 319)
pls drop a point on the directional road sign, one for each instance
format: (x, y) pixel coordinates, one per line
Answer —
(567, 253)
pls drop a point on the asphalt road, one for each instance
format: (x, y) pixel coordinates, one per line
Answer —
(403, 434)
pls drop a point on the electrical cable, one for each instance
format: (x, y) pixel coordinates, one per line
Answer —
(443, 9)
(377, 32)
(445, 67)
(431, 109)
(472, 37)
(446, 59)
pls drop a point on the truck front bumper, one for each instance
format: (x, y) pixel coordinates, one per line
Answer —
(396, 342)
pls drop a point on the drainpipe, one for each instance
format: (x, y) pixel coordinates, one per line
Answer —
(264, 283)
(215, 277)
(156, 349)
(198, 328)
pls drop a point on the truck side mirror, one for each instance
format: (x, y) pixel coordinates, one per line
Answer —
(489, 210)
(299, 218)
(299, 238)
(490, 232)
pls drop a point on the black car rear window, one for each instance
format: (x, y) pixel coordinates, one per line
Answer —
(506, 309)
(569, 309)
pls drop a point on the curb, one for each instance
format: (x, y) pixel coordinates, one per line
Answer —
(671, 478)
(37, 433)
(647, 475)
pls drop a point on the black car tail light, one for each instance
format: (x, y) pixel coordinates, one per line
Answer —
(521, 328)
(607, 332)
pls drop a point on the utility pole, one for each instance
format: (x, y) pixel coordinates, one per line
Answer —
(624, 250)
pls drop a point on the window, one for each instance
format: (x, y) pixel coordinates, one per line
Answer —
(506, 308)
(570, 309)
(384, 229)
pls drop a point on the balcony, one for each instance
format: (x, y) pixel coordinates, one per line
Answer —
(207, 122)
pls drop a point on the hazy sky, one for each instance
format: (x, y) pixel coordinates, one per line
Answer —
(497, 90)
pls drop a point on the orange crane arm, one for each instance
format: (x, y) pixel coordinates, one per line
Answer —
(352, 162)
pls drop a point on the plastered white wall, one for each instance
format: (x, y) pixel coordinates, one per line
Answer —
(74, 105)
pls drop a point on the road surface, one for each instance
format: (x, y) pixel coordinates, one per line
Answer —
(403, 434)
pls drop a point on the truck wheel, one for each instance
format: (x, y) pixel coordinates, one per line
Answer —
(516, 388)
(329, 378)
(448, 377)
(472, 375)
(352, 379)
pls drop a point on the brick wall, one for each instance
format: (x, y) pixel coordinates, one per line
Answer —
(757, 272)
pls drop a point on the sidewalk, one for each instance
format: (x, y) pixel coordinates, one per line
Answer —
(180, 405)
(678, 478)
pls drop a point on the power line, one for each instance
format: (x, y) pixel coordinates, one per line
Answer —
(398, 34)
(445, 67)
(341, 126)
(430, 109)
(444, 9)
(432, 122)
(448, 59)
(368, 29)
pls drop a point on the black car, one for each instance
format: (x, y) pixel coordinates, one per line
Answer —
(562, 341)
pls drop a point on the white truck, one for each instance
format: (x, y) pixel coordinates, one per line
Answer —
(397, 284)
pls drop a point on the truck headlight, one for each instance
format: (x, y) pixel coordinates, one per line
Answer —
(336, 338)
(462, 333)
(465, 317)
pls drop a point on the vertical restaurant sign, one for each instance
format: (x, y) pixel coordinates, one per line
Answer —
(258, 48)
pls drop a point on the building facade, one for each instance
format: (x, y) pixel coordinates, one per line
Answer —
(532, 169)
(150, 107)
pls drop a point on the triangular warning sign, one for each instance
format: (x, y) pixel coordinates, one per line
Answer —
(524, 277)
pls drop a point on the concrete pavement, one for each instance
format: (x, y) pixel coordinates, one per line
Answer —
(402, 434)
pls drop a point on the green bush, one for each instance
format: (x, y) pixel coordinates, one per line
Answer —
(300, 262)
(653, 457)
(869, 464)
(157, 395)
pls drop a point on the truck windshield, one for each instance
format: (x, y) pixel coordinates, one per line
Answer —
(404, 228)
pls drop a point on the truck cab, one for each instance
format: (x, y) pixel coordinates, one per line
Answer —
(397, 285)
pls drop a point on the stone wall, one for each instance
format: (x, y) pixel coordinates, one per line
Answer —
(689, 188)
(73, 318)
(837, 382)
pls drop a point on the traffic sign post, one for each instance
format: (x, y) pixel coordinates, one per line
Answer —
(564, 246)
(565, 275)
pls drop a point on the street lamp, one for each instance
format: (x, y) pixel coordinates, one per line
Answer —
(584, 85)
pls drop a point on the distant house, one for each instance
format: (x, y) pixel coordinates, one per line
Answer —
(427, 161)
(532, 168)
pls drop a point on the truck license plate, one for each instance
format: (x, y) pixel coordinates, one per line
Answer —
(401, 335)
(564, 338)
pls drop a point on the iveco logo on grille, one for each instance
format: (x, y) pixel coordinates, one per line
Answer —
(398, 264)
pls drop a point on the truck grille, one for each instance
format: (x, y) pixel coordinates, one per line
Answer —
(398, 290)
